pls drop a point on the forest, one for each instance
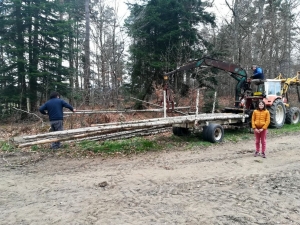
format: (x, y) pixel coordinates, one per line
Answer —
(95, 59)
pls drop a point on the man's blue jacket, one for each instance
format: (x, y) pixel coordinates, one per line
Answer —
(55, 106)
(258, 74)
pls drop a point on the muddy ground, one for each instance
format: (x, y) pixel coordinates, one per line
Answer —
(220, 184)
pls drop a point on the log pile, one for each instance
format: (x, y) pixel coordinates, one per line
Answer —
(108, 131)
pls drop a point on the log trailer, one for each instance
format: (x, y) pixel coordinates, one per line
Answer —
(271, 91)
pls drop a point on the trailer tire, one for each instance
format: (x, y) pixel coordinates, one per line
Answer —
(277, 113)
(181, 131)
(292, 116)
(213, 133)
(249, 119)
(204, 135)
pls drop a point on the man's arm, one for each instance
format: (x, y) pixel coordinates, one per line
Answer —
(66, 105)
(42, 109)
(258, 72)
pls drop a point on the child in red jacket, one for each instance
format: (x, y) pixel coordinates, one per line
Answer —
(260, 123)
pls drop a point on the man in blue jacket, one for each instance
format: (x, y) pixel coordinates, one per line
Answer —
(257, 73)
(54, 107)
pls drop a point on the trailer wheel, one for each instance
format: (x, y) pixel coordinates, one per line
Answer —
(292, 116)
(180, 131)
(213, 133)
(249, 120)
(204, 133)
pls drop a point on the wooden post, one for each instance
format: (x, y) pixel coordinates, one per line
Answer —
(197, 102)
(214, 104)
(28, 105)
(165, 103)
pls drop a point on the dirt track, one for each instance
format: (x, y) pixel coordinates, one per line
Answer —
(222, 184)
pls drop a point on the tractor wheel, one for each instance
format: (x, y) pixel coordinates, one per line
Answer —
(292, 116)
(277, 113)
(180, 131)
(213, 133)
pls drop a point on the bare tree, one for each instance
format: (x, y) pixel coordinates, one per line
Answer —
(108, 62)
(87, 53)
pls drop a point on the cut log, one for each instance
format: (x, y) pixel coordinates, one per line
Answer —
(126, 134)
(120, 111)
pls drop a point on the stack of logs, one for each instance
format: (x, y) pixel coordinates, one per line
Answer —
(107, 131)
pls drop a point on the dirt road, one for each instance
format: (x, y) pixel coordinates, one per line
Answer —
(221, 184)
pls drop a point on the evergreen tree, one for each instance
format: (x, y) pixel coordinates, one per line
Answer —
(35, 42)
(165, 35)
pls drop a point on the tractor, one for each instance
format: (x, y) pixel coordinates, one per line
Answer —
(249, 91)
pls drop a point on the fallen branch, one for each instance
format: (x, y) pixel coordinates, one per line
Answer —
(41, 119)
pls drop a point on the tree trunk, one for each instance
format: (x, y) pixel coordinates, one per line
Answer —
(87, 54)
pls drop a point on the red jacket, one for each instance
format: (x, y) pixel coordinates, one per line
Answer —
(260, 119)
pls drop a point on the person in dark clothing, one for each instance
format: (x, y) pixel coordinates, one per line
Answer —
(54, 107)
(257, 73)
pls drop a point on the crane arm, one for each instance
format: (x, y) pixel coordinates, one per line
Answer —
(289, 82)
(205, 61)
(238, 73)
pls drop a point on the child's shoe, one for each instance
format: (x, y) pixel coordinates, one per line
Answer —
(256, 153)
(263, 155)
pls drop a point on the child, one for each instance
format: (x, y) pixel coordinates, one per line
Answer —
(260, 123)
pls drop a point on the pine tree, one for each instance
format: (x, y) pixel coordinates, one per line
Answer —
(165, 35)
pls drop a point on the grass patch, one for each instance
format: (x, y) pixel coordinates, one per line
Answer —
(287, 128)
(128, 146)
(5, 146)
(190, 141)
(244, 134)
(236, 135)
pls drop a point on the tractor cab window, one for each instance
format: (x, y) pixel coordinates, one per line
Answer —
(273, 88)
(261, 88)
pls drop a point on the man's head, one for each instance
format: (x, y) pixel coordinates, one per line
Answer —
(254, 67)
(54, 94)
